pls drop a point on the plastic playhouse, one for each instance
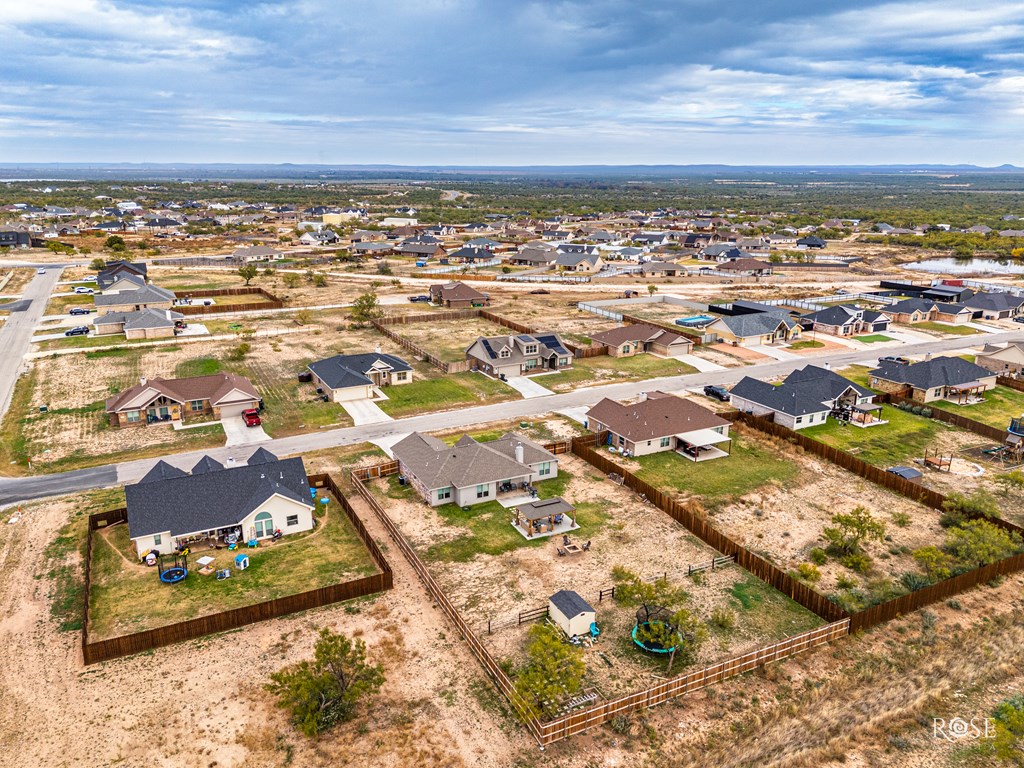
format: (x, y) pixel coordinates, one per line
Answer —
(241, 562)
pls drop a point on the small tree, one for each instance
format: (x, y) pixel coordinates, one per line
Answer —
(978, 542)
(303, 317)
(239, 352)
(553, 671)
(384, 268)
(323, 692)
(849, 531)
(97, 265)
(319, 280)
(115, 243)
(365, 308)
(937, 564)
(652, 289)
(291, 280)
(775, 258)
(248, 272)
(958, 508)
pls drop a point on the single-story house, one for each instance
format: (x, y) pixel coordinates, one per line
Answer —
(915, 310)
(755, 328)
(533, 257)
(996, 306)
(720, 252)
(157, 400)
(806, 398)
(518, 355)
(150, 296)
(170, 508)
(356, 377)
(144, 324)
(846, 320)
(124, 283)
(631, 340)
(469, 255)
(422, 251)
(1004, 359)
(746, 266)
(471, 472)
(118, 269)
(579, 248)
(665, 268)
(571, 613)
(322, 237)
(661, 422)
(811, 241)
(939, 378)
(257, 253)
(458, 296)
(587, 263)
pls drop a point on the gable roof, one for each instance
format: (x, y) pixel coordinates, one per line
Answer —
(140, 319)
(574, 259)
(640, 333)
(928, 374)
(744, 265)
(148, 294)
(660, 415)
(213, 388)
(570, 603)
(162, 471)
(489, 347)
(844, 314)
(214, 498)
(343, 371)
(456, 291)
(468, 462)
(997, 302)
(755, 324)
(807, 390)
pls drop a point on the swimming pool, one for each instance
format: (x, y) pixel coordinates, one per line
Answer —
(695, 321)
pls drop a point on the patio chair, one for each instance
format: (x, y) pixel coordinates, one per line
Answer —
(586, 546)
(561, 552)
(565, 540)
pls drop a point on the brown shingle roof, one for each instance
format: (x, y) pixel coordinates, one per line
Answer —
(212, 388)
(637, 333)
(660, 415)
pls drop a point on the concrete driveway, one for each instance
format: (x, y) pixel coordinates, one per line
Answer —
(527, 387)
(365, 412)
(778, 354)
(702, 365)
(239, 434)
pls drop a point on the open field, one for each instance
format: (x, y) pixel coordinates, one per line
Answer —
(605, 369)
(431, 391)
(449, 339)
(945, 329)
(127, 596)
(13, 281)
(492, 572)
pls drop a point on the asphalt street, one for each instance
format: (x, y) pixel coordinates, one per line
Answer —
(13, 490)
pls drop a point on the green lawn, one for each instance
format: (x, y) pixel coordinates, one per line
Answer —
(904, 437)
(197, 366)
(858, 374)
(59, 305)
(765, 612)
(607, 369)
(955, 330)
(438, 394)
(751, 465)
(808, 344)
(1000, 404)
(873, 338)
(128, 598)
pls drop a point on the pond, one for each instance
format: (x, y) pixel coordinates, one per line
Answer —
(953, 266)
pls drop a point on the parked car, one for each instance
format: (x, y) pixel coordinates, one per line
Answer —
(40, 271)
(78, 311)
(83, 289)
(251, 417)
(541, 292)
(78, 330)
(419, 299)
(719, 393)
(1019, 319)
(893, 359)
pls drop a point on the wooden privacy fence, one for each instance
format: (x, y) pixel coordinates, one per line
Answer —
(698, 526)
(577, 722)
(948, 417)
(1006, 381)
(270, 301)
(191, 629)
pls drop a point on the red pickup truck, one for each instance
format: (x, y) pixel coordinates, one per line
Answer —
(251, 417)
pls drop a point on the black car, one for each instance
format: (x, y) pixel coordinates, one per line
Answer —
(419, 299)
(78, 311)
(893, 359)
(80, 330)
(1019, 319)
(719, 393)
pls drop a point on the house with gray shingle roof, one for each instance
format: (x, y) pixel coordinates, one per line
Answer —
(170, 508)
(937, 378)
(472, 472)
(132, 301)
(756, 328)
(357, 377)
(144, 324)
(846, 320)
(806, 398)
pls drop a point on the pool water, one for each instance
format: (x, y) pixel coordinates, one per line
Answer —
(695, 320)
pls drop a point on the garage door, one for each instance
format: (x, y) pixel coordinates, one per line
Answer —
(234, 410)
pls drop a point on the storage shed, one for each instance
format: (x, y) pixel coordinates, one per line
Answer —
(571, 613)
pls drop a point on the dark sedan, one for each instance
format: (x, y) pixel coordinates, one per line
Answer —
(80, 330)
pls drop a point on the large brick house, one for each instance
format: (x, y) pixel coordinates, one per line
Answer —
(518, 355)
(155, 401)
(940, 378)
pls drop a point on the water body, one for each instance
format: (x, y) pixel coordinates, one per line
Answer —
(951, 266)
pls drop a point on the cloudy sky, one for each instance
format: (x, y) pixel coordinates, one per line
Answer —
(512, 81)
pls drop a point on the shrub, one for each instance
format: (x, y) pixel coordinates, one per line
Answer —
(845, 582)
(916, 410)
(958, 507)
(818, 556)
(809, 572)
(914, 581)
(723, 618)
(239, 352)
(858, 562)
(926, 412)
(901, 519)
(553, 670)
(937, 564)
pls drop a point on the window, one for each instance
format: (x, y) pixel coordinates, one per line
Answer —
(531, 349)
(291, 520)
(665, 442)
(483, 491)
(544, 469)
(504, 352)
(400, 376)
(563, 361)
(157, 539)
(444, 493)
(264, 525)
(531, 364)
(622, 440)
(132, 417)
(195, 405)
(799, 419)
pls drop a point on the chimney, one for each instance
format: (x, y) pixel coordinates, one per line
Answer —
(643, 397)
(928, 356)
(377, 349)
(828, 366)
(519, 452)
(142, 381)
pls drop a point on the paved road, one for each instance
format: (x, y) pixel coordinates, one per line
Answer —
(20, 489)
(16, 332)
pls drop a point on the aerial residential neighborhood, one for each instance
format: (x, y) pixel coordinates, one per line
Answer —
(512, 385)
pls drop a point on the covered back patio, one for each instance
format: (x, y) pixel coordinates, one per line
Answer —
(547, 517)
(703, 445)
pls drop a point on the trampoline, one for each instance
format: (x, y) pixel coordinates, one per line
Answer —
(648, 618)
(176, 571)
